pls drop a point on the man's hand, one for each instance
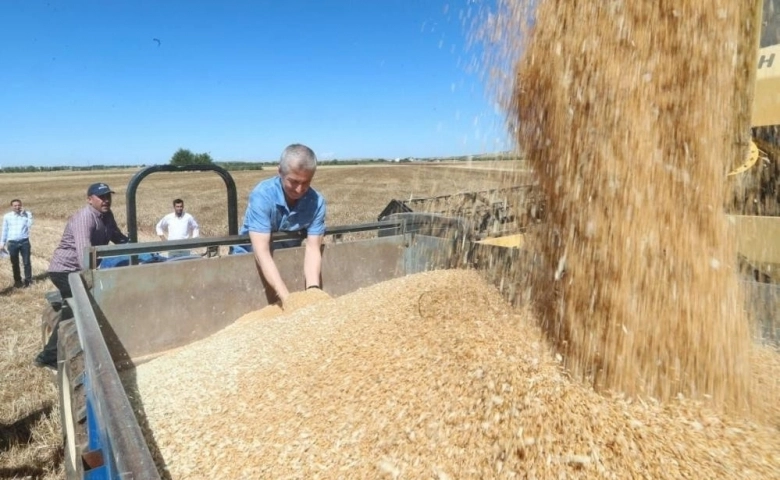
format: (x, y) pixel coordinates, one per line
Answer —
(261, 246)
(297, 300)
(283, 298)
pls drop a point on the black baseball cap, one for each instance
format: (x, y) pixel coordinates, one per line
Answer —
(98, 189)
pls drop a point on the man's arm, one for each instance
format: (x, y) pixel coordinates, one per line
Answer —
(195, 227)
(312, 260)
(4, 236)
(261, 246)
(81, 228)
(161, 227)
(29, 217)
(120, 238)
(117, 236)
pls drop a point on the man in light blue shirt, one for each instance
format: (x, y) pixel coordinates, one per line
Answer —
(16, 240)
(286, 203)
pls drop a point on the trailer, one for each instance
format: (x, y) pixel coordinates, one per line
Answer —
(132, 313)
(128, 315)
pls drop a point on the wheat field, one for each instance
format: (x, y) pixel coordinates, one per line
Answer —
(30, 439)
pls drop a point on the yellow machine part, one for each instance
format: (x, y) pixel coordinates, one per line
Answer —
(508, 241)
(766, 100)
(753, 156)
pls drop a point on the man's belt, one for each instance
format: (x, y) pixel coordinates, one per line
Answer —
(19, 241)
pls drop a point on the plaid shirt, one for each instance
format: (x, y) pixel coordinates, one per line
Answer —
(16, 226)
(85, 228)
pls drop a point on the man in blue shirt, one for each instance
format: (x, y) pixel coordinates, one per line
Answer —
(286, 203)
(16, 240)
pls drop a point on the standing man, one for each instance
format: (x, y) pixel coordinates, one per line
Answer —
(91, 226)
(16, 237)
(286, 203)
(179, 225)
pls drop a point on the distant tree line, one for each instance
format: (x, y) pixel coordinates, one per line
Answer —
(236, 166)
(361, 161)
(184, 156)
(59, 168)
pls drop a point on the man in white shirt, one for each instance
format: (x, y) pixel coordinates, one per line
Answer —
(179, 225)
(15, 239)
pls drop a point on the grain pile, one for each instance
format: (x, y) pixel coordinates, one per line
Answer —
(631, 113)
(295, 301)
(427, 376)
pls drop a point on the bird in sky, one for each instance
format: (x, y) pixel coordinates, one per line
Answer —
(156, 40)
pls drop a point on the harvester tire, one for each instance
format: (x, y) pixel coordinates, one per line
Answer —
(49, 319)
(73, 399)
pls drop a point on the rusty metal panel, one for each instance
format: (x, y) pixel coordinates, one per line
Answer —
(349, 266)
(147, 309)
(763, 306)
(428, 253)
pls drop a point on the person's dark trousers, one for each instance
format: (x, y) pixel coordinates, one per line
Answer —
(17, 248)
(48, 357)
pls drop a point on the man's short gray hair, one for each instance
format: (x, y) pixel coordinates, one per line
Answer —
(297, 157)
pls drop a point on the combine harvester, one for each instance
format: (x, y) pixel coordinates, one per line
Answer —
(757, 206)
(491, 213)
(126, 316)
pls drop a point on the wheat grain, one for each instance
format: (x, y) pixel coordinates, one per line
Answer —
(427, 375)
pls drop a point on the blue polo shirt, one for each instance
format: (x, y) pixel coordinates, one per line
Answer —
(267, 212)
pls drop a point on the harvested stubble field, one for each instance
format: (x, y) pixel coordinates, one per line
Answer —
(30, 443)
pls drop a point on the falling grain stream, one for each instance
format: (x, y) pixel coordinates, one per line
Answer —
(630, 112)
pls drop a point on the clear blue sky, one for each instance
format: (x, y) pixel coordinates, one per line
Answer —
(84, 82)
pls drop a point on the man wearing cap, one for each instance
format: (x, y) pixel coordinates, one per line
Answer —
(93, 225)
(16, 240)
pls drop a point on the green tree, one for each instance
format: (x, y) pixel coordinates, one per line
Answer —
(203, 159)
(182, 157)
(186, 157)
